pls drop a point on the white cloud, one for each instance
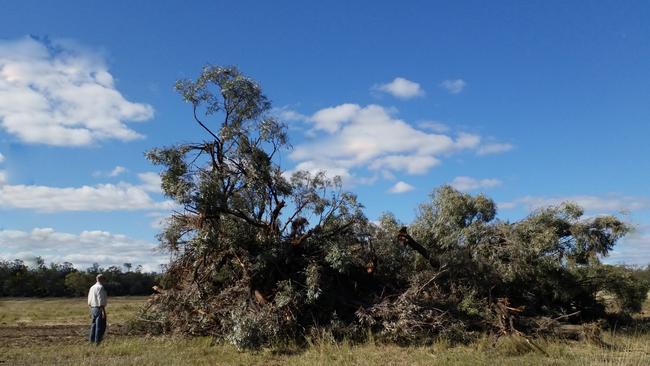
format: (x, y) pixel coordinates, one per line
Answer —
(2, 158)
(159, 221)
(58, 93)
(150, 182)
(454, 86)
(466, 184)
(330, 119)
(81, 249)
(401, 88)
(288, 114)
(401, 187)
(418, 164)
(117, 171)
(467, 141)
(332, 168)
(434, 126)
(633, 249)
(371, 137)
(494, 148)
(612, 203)
(102, 197)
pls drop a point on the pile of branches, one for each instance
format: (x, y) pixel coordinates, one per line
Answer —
(261, 256)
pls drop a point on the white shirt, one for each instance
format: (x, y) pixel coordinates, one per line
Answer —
(97, 295)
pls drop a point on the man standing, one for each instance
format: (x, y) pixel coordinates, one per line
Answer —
(97, 303)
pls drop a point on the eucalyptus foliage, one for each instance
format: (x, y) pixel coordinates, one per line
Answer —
(257, 252)
(261, 255)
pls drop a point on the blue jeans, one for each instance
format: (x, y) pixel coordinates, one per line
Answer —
(98, 325)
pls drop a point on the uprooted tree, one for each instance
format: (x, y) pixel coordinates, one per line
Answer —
(261, 256)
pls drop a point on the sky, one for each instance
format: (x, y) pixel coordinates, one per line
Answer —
(532, 103)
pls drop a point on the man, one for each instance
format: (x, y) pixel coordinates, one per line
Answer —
(97, 302)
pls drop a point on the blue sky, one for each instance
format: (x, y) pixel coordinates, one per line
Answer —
(532, 103)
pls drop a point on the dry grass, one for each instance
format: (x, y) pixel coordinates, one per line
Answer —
(62, 311)
(198, 351)
(131, 350)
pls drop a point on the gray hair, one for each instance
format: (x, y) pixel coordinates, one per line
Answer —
(100, 277)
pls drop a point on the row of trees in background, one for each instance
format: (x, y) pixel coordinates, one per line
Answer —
(62, 279)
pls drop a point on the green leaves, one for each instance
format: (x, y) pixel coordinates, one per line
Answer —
(261, 255)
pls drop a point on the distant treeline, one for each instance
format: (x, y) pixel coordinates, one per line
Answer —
(62, 279)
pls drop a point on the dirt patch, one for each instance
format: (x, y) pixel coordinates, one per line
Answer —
(26, 335)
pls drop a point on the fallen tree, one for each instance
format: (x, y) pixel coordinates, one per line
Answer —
(261, 256)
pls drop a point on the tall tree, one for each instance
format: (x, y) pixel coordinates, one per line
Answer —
(248, 234)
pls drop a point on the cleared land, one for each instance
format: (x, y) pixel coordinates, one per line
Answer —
(53, 331)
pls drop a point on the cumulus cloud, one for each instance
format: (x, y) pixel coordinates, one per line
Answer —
(454, 86)
(371, 137)
(494, 148)
(101, 197)
(401, 88)
(401, 187)
(601, 204)
(330, 119)
(466, 184)
(58, 93)
(81, 249)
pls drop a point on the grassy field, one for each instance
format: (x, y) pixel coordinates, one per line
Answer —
(62, 311)
(52, 332)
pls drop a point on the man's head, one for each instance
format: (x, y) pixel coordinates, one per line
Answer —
(100, 278)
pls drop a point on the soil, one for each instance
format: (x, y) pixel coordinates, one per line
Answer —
(18, 336)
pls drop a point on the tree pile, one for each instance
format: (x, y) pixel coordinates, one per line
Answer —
(261, 256)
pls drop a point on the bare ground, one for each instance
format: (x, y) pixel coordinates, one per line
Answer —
(26, 336)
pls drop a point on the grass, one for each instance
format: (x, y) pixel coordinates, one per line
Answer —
(58, 311)
(199, 351)
(630, 349)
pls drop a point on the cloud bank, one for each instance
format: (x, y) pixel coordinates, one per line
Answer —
(101, 197)
(57, 93)
(81, 249)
